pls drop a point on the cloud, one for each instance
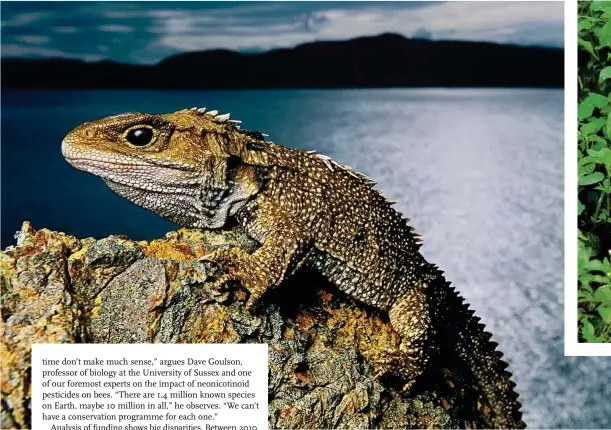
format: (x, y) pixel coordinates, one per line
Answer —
(422, 33)
(65, 29)
(312, 22)
(114, 28)
(454, 20)
(252, 42)
(503, 22)
(215, 10)
(22, 19)
(159, 29)
(14, 50)
(33, 40)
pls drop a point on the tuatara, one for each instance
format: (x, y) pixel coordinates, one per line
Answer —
(200, 169)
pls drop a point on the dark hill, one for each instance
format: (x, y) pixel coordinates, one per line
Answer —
(387, 60)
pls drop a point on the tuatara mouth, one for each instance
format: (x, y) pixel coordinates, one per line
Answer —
(74, 153)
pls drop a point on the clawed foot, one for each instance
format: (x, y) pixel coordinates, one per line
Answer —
(238, 266)
(387, 369)
(404, 364)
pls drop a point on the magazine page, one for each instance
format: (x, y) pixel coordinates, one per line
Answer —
(247, 215)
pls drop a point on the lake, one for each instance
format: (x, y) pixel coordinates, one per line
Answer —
(479, 171)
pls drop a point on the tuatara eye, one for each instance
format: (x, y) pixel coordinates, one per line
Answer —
(140, 136)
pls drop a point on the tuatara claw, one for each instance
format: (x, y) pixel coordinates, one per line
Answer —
(220, 284)
(221, 257)
(234, 261)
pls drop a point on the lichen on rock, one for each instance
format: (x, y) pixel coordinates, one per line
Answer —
(324, 349)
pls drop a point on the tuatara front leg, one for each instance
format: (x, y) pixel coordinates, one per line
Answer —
(279, 254)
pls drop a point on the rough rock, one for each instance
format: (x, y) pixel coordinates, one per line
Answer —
(324, 349)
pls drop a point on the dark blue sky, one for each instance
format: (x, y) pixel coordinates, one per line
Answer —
(146, 32)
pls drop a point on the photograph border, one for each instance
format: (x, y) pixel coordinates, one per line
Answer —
(571, 344)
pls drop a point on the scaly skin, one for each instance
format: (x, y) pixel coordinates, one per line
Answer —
(198, 169)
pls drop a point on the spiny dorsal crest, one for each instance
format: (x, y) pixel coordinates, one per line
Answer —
(225, 118)
(331, 164)
(214, 114)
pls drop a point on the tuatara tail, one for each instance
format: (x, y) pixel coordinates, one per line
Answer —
(461, 334)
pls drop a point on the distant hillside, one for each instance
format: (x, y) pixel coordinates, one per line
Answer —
(387, 60)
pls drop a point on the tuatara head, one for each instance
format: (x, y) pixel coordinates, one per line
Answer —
(188, 166)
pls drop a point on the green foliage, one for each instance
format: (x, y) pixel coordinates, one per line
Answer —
(594, 171)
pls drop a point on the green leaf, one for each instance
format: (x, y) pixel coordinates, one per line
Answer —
(600, 154)
(594, 19)
(586, 169)
(580, 208)
(605, 313)
(603, 294)
(587, 46)
(593, 100)
(598, 100)
(587, 289)
(604, 35)
(587, 329)
(585, 109)
(584, 24)
(602, 157)
(593, 127)
(604, 74)
(583, 161)
(608, 126)
(600, 6)
(591, 179)
(605, 186)
(594, 265)
(598, 143)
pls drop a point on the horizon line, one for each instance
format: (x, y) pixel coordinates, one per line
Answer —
(252, 52)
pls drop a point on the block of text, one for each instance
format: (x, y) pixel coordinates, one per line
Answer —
(149, 386)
